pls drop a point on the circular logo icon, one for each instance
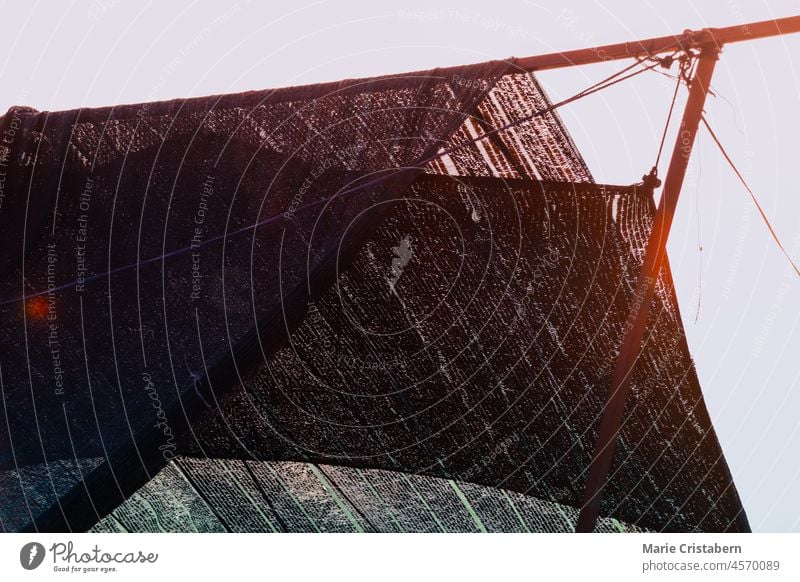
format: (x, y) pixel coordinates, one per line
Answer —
(31, 555)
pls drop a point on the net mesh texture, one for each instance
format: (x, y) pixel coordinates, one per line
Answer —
(336, 276)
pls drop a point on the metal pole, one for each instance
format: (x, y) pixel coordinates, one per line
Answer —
(640, 308)
(662, 44)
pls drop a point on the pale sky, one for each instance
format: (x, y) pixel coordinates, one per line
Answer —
(745, 337)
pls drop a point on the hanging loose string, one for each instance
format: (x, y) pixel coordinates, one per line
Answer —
(613, 79)
(683, 76)
(699, 240)
(752, 195)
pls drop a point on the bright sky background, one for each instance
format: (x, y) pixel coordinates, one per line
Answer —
(738, 295)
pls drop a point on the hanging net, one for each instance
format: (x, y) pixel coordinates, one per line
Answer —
(254, 307)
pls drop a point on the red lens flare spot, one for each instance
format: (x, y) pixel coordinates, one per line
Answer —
(36, 307)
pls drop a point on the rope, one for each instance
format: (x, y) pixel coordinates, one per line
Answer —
(669, 118)
(599, 86)
(752, 195)
(685, 62)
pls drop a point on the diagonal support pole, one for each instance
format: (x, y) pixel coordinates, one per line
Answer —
(605, 445)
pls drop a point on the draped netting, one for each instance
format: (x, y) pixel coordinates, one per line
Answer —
(295, 276)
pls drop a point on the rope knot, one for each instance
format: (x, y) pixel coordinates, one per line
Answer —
(651, 180)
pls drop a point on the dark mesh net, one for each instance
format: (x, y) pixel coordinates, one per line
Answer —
(294, 275)
(483, 351)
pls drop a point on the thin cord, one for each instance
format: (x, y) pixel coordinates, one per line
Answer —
(669, 118)
(752, 195)
(599, 86)
(699, 240)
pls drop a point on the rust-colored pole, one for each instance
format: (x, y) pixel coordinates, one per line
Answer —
(662, 44)
(605, 446)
